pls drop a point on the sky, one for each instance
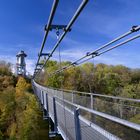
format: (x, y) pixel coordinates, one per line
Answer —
(22, 28)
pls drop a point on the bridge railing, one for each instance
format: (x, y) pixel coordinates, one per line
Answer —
(75, 120)
(124, 108)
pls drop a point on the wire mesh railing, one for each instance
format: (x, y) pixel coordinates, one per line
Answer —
(78, 115)
(124, 108)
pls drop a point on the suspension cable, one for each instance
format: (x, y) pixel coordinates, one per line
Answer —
(111, 48)
(96, 53)
(88, 56)
(122, 43)
(77, 13)
(54, 6)
(133, 29)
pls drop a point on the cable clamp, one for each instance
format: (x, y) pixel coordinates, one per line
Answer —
(135, 28)
(94, 54)
(39, 64)
(57, 33)
(37, 69)
(44, 54)
(88, 54)
(62, 27)
(50, 55)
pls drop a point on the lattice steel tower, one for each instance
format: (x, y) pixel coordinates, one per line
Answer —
(21, 65)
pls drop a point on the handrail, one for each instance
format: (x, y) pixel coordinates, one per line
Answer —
(56, 100)
(100, 95)
(106, 116)
(94, 94)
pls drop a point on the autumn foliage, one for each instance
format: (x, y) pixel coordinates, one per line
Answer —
(20, 115)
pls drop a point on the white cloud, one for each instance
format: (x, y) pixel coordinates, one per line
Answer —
(8, 58)
(30, 63)
(114, 57)
(69, 55)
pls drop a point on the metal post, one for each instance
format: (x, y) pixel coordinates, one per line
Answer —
(72, 97)
(39, 94)
(39, 98)
(91, 102)
(47, 105)
(46, 108)
(60, 94)
(42, 98)
(77, 124)
(55, 115)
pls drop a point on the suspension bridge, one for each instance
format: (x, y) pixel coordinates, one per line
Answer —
(78, 115)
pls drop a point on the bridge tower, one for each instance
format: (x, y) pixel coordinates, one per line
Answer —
(21, 65)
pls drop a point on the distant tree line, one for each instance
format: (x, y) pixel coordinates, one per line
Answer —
(101, 78)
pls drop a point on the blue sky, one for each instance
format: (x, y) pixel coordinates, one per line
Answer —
(22, 28)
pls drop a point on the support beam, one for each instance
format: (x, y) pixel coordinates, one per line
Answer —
(44, 54)
(55, 115)
(63, 27)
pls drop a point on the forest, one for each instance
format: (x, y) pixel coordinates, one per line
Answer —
(101, 78)
(119, 81)
(20, 115)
